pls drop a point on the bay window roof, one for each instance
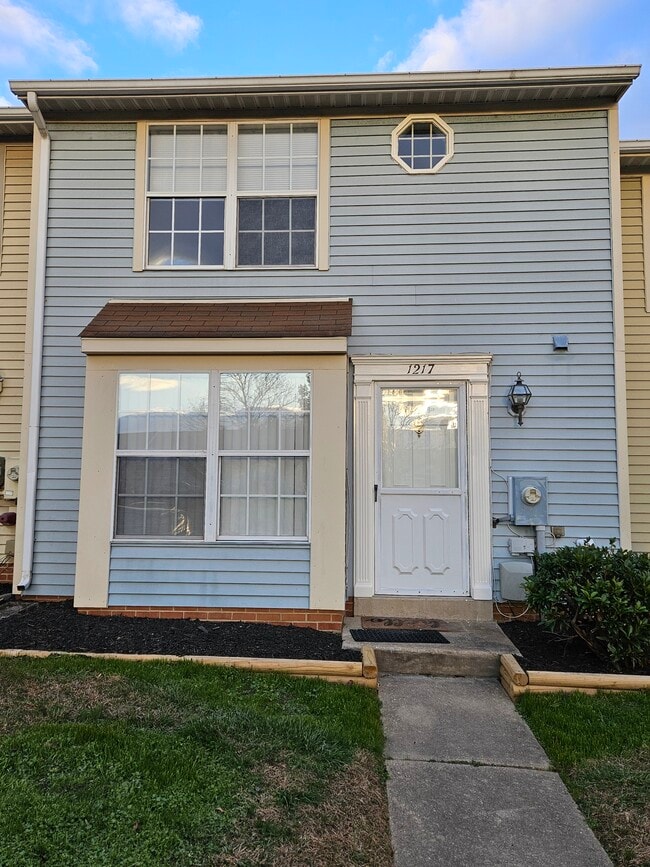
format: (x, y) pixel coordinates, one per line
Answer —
(222, 319)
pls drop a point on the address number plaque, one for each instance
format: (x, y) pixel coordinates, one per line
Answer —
(424, 368)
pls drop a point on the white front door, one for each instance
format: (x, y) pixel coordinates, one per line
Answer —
(421, 492)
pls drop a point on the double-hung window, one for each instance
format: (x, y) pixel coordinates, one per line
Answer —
(232, 195)
(253, 484)
(161, 454)
(264, 454)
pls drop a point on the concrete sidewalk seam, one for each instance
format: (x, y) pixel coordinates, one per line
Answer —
(470, 764)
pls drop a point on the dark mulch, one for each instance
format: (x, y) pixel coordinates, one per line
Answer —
(544, 651)
(57, 626)
(5, 588)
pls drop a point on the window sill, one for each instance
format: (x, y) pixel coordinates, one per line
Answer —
(177, 268)
(220, 543)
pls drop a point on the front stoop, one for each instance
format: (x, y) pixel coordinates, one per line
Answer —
(438, 607)
(474, 650)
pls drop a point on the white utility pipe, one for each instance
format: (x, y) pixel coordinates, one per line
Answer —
(33, 430)
(540, 538)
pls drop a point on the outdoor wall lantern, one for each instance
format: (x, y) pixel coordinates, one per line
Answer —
(519, 395)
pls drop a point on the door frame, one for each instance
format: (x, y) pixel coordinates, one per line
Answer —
(470, 371)
(462, 490)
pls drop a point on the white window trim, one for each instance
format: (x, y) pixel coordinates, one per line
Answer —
(140, 230)
(212, 454)
(422, 118)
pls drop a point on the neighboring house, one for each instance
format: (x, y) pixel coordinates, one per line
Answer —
(15, 193)
(635, 210)
(279, 320)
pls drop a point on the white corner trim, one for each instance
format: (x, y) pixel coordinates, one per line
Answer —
(31, 419)
(618, 308)
(421, 118)
(3, 158)
(469, 370)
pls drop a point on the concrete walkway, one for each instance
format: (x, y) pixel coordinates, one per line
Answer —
(469, 785)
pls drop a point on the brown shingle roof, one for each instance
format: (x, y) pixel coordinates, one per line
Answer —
(222, 319)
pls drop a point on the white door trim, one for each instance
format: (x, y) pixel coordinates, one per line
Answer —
(470, 370)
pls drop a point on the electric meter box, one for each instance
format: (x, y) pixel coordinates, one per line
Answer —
(528, 497)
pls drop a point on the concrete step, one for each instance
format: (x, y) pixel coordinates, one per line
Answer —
(474, 650)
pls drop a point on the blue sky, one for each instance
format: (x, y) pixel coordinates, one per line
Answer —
(158, 38)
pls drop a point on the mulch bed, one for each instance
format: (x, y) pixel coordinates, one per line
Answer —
(5, 588)
(544, 651)
(57, 626)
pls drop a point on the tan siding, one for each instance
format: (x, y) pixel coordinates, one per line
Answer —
(637, 355)
(15, 203)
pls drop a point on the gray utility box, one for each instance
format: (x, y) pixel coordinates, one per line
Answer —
(528, 500)
(512, 574)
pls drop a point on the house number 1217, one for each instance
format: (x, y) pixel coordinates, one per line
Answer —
(420, 369)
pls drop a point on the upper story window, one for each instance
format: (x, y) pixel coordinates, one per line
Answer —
(232, 195)
(422, 144)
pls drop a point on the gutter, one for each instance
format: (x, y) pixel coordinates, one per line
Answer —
(589, 75)
(33, 431)
(635, 146)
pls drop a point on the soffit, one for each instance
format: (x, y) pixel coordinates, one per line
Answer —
(15, 123)
(635, 155)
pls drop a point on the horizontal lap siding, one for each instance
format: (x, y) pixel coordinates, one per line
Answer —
(205, 576)
(15, 197)
(637, 351)
(506, 246)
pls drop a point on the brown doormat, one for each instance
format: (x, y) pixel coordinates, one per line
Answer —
(408, 623)
(403, 636)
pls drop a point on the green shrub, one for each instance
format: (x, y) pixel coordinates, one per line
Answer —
(601, 595)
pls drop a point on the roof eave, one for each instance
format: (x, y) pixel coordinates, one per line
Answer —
(378, 90)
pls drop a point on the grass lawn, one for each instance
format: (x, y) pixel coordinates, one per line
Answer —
(600, 744)
(109, 764)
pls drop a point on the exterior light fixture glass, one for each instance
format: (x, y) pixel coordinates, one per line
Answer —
(519, 395)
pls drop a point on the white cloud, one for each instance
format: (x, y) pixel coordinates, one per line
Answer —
(385, 61)
(493, 32)
(27, 38)
(160, 19)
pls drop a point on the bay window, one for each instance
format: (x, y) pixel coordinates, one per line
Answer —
(254, 484)
(232, 195)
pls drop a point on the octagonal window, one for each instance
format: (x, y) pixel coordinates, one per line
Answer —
(422, 144)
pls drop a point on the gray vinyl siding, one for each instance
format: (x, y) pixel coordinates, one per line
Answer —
(195, 575)
(508, 244)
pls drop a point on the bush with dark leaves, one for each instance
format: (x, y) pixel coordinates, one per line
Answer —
(601, 595)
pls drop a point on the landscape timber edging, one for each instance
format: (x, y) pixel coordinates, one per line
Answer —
(362, 673)
(517, 682)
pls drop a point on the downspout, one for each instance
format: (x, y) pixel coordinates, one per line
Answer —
(40, 252)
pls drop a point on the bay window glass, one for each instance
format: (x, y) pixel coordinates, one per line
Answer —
(162, 431)
(264, 441)
(171, 484)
